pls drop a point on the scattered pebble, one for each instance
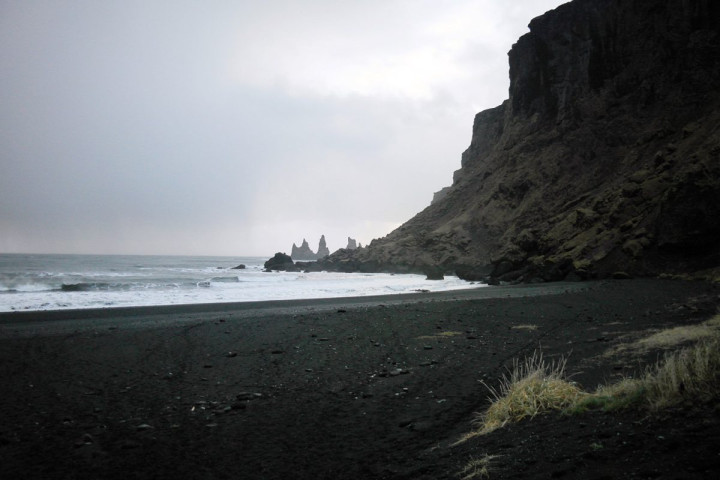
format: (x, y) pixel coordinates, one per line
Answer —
(86, 439)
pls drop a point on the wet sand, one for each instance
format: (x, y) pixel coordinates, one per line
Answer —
(369, 387)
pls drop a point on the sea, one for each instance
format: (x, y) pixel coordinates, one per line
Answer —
(32, 282)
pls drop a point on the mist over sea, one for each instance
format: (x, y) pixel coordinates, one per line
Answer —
(55, 282)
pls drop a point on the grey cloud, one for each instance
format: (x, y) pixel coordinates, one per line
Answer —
(150, 127)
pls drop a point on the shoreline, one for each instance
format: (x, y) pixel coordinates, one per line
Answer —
(353, 388)
(112, 284)
(48, 319)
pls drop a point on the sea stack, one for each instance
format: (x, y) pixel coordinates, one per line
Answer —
(323, 250)
(302, 252)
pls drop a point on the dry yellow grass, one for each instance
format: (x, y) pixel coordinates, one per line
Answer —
(529, 388)
(672, 337)
(478, 467)
(525, 327)
(534, 386)
(690, 374)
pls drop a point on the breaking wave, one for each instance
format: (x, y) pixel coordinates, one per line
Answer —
(50, 282)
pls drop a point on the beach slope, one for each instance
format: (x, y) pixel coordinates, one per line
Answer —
(360, 388)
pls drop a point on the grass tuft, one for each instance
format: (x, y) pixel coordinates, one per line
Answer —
(691, 374)
(671, 337)
(477, 468)
(535, 386)
(624, 394)
(529, 388)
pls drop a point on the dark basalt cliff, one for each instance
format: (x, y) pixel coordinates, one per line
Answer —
(604, 158)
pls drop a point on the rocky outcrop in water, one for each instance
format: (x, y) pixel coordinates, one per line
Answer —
(280, 261)
(352, 244)
(323, 250)
(302, 252)
(604, 159)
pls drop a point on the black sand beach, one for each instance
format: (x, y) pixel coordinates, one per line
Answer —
(359, 388)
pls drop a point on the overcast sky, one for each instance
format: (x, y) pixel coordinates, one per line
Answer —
(237, 127)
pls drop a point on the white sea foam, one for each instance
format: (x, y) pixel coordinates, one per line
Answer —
(140, 281)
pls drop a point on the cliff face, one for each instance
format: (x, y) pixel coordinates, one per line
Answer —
(604, 158)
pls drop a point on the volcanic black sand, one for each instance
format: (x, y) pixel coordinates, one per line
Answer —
(341, 389)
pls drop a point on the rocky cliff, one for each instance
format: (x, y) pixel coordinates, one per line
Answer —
(604, 158)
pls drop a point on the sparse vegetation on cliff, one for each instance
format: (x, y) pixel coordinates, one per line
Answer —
(603, 159)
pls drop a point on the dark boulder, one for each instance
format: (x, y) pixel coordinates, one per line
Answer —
(280, 261)
(434, 273)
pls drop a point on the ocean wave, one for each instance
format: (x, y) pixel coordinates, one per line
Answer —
(27, 288)
(86, 287)
(225, 280)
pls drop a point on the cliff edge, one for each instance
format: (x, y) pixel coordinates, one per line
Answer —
(605, 158)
